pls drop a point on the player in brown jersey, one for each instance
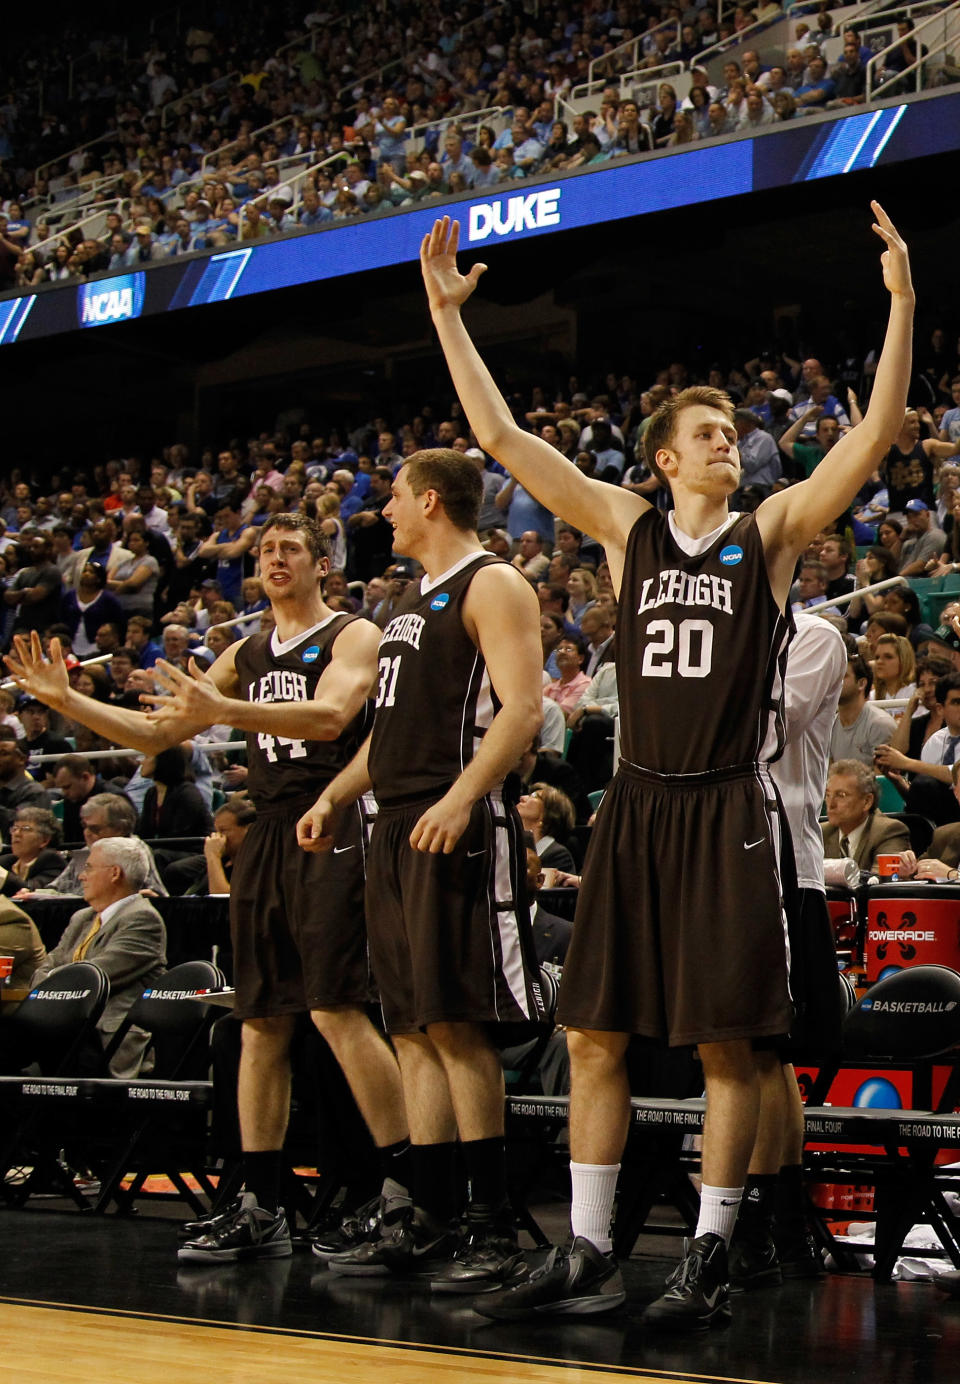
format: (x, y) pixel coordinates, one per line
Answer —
(680, 909)
(300, 693)
(458, 699)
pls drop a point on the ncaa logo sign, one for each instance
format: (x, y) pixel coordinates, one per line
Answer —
(110, 300)
(731, 556)
(440, 601)
(509, 215)
(312, 654)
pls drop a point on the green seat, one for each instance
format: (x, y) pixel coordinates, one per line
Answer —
(889, 796)
(951, 584)
(923, 585)
(56, 808)
(567, 737)
(217, 799)
(596, 797)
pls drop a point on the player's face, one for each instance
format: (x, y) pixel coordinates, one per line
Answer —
(704, 456)
(404, 511)
(288, 570)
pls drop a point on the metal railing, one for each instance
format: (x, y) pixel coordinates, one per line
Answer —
(466, 123)
(878, 82)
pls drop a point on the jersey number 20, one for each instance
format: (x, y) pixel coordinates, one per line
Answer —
(693, 640)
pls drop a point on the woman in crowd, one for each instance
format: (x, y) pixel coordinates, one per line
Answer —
(666, 114)
(134, 581)
(889, 536)
(88, 607)
(877, 565)
(549, 816)
(173, 805)
(923, 714)
(582, 586)
(32, 860)
(894, 670)
(551, 632)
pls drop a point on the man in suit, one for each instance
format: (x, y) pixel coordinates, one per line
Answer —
(122, 933)
(854, 826)
(20, 939)
(551, 934)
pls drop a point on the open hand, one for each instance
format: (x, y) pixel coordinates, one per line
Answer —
(895, 259)
(194, 695)
(33, 673)
(446, 286)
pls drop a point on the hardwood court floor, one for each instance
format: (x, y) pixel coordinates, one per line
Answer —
(103, 1299)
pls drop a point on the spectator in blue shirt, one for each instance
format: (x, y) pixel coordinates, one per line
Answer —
(818, 89)
(312, 212)
(391, 135)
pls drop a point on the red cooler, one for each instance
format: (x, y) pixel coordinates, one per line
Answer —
(911, 925)
(842, 907)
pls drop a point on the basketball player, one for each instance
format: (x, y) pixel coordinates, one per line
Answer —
(680, 908)
(300, 692)
(458, 700)
(771, 1240)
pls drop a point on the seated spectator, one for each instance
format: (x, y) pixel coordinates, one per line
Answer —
(592, 721)
(923, 714)
(904, 601)
(941, 858)
(530, 557)
(77, 781)
(38, 737)
(567, 689)
(929, 793)
(849, 76)
(666, 113)
(122, 933)
(17, 788)
(582, 590)
(817, 88)
(894, 669)
(548, 814)
(210, 873)
(811, 588)
(922, 542)
(20, 939)
(145, 249)
(85, 609)
(759, 455)
(102, 816)
(33, 859)
(854, 828)
(784, 105)
(878, 564)
(860, 727)
(551, 935)
(139, 628)
(173, 805)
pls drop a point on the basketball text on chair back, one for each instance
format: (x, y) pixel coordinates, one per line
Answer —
(58, 1017)
(173, 1013)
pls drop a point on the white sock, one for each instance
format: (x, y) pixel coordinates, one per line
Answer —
(718, 1210)
(591, 1210)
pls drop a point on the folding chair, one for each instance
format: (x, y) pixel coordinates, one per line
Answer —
(162, 1136)
(908, 1022)
(53, 1034)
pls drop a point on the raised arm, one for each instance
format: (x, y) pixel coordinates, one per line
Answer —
(48, 682)
(340, 694)
(605, 511)
(502, 616)
(789, 519)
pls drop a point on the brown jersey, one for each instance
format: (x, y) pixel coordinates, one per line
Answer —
(701, 651)
(281, 770)
(434, 698)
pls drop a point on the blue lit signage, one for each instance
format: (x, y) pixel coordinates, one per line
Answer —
(799, 151)
(110, 300)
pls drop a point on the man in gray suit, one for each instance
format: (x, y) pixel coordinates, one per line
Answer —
(854, 827)
(122, 933)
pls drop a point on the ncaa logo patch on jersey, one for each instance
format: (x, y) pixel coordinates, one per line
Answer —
(312, 654)
(731, 556)
(440, 601)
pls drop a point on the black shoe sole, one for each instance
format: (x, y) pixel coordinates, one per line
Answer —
(689, 1325)
(767, 1278)
(570, 1307)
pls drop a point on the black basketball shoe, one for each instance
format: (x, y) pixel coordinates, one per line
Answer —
(189, 1230)
(753, 1260)
(578, 1281)
(487, 1257)
(251, 1233)
(697, 1293)
(351, 1230)
(412, 1244)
